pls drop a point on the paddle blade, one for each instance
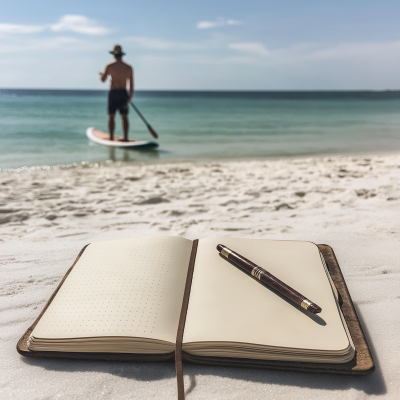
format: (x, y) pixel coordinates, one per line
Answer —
(152, 131)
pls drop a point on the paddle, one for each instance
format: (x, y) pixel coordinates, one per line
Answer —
(151, 130)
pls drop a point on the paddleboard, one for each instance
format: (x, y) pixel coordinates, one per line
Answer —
(103, 138)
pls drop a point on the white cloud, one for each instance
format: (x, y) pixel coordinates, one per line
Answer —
(149, 43)
(161, 44)
(250, 47)
(205, 25)
(345, 52)
(12, 29)
(354, 50)
(72, 23)
(37, 44)
(233, 22)
(220, 60)
(216, 23)
(79, 24)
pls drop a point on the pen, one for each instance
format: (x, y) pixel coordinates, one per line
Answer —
(265, 277)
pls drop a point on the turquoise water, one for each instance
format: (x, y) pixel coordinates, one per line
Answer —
(47, 127)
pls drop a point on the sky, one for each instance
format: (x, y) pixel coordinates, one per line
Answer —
(206, 45)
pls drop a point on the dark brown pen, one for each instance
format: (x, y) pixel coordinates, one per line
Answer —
(269, 279)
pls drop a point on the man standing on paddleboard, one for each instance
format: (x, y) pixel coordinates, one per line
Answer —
(118, 97)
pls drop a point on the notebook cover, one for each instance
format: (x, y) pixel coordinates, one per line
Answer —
(362, 363)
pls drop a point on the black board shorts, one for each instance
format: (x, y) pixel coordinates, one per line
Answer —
(118, 100)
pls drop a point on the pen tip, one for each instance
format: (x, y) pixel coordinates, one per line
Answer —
(220, 247)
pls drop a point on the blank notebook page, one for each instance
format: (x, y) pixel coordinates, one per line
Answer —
(227, 305)
(130, 287)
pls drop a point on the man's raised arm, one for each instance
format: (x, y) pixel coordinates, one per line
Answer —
(104, 76)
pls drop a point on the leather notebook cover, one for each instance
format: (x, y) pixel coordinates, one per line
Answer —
(362, 364)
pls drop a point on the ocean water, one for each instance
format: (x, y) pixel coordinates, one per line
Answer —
(47, 127)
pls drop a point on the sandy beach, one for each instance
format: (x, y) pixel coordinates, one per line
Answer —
(349, 202)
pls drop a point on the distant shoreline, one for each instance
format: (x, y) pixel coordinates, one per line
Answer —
(90, 165)
(245, 91)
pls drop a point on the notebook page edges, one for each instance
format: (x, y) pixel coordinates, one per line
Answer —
(226, 305)
(121, 288)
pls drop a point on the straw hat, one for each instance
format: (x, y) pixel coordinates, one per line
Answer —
(117, 50)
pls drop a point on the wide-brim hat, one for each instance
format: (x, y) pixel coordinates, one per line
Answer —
(117, 50)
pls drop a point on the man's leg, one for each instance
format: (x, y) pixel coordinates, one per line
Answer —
(111, 125)
(125, 124)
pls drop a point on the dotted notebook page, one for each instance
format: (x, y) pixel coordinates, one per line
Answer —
(247, 312)
(130, 287)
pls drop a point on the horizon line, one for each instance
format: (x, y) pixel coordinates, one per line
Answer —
(211, 90)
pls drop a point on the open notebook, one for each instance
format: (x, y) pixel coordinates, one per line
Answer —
(125, 296)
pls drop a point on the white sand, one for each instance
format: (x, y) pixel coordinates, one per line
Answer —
(351, 203)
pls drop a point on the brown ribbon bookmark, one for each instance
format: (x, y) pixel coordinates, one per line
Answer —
(181, 326)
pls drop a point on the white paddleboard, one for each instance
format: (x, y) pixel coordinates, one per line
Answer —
(103, 138)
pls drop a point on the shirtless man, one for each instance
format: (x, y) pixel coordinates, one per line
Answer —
(118, 97)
